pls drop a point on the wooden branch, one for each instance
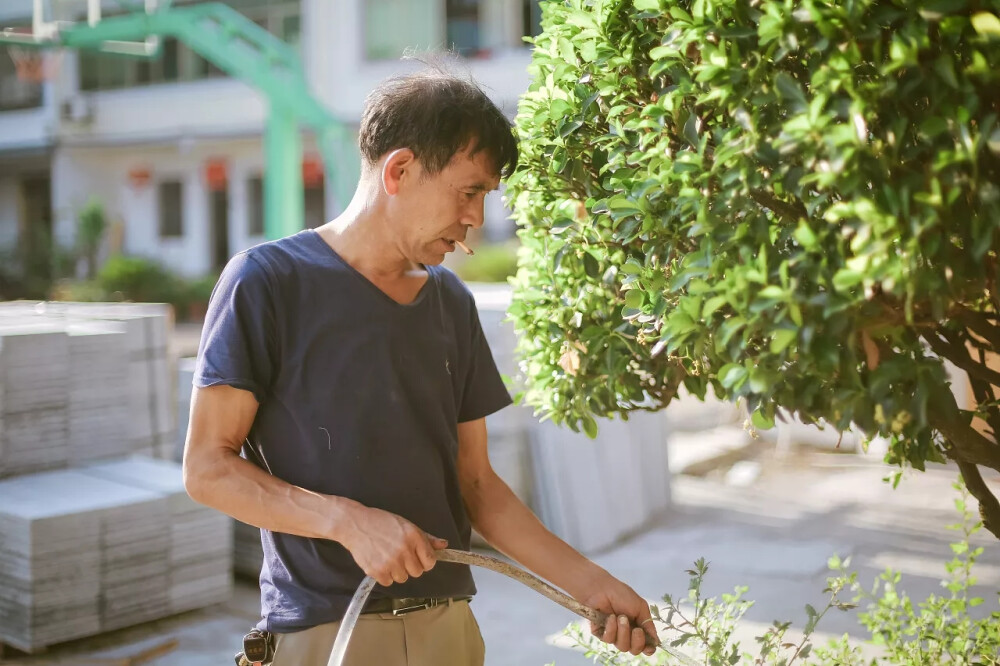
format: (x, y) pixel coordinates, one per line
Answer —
(981, 326)
(959, 355)
(967, 445)
(989, 506)
(789, 211)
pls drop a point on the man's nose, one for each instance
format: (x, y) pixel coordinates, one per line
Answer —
(475, 215)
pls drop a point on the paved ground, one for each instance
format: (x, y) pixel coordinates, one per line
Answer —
(774, 533)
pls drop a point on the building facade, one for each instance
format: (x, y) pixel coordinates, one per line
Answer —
(172, 148)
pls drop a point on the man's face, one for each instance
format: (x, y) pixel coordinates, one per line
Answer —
(432, 211)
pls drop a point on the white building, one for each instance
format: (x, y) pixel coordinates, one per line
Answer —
(172, 148)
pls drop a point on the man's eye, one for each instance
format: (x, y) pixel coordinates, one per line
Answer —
(469, 195)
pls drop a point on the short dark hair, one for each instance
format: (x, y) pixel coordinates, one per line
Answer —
(435, 114)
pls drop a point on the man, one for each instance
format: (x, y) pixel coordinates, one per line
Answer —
(353, 371)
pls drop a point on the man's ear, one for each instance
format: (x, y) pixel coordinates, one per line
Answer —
(399, 166)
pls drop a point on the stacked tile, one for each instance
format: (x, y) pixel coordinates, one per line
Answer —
(98, 392)
(199, 552)
(146, 329)
(78, 555)
(34, 373)
(185, 379)
(248, 554)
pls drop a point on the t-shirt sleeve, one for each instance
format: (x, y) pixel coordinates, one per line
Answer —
(237, 342)
(485, 392)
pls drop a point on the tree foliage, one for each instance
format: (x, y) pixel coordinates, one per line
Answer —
(793, 202)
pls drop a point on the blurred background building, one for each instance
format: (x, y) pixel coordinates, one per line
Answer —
(172, 149)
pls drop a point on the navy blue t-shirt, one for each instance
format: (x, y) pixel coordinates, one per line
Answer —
(358, 396)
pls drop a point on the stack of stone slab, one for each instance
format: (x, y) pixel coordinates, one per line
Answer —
(34, 401)
(99, 413)
(199, 548)
(81, 382)
(113, 541)
(248, 554)
(78, 555)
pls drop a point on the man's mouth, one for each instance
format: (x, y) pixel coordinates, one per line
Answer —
(453, 243)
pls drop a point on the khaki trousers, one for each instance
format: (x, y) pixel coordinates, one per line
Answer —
(446, 635)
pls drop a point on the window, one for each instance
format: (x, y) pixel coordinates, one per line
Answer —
(471, 28)
(255, 206)
(315, 206)
(462, 26)
(177, 62)
(532, 17)
(171, 209)
(392, 26)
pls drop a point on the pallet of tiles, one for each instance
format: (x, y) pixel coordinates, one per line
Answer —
(98, 392)
(248, 554)
(34, 376)
(200, 548)
(79, 555)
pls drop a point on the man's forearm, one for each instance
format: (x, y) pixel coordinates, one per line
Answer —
(510, 526)
(224, 481)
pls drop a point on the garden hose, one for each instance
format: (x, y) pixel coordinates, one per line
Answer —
(461, 557)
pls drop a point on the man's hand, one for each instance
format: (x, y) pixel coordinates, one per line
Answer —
(389, 548)
(629, 620)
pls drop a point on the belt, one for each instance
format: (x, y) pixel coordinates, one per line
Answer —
(408, 604)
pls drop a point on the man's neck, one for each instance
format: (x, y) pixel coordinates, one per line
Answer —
(361, 237)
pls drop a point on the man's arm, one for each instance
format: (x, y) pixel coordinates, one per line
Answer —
(385, 546)
(507, 524)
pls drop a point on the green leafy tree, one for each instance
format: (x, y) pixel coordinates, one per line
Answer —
(791, 202)
(90, 232)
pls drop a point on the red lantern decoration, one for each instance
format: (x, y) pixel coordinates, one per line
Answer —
(140, 177)
(312, 171)
(216, 174)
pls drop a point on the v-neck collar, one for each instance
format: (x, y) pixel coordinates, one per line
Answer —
(419, 298)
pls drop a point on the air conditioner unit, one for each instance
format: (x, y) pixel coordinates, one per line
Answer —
(78, 109)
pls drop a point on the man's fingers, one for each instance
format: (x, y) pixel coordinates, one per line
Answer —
(623, 641)
(415, 565)
(437, 543)
(638, 641)
(610, 630)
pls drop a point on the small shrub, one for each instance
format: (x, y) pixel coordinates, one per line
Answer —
(138, 279)
(938, 631)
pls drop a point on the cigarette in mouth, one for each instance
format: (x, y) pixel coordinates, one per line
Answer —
(465, 248)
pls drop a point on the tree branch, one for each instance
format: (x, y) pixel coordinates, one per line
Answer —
(981, 326)
(989, 506)
(783, 208)
(958, 355)
(967, 445)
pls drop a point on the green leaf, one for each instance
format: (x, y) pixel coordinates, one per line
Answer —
(790, 90)
(986, 24)
(635, 298)
(781, 339)
(731, 376)
(646, 5)
(760, 421)
(805, 236)
(772, 292)
(589, 425)
(846, 278)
